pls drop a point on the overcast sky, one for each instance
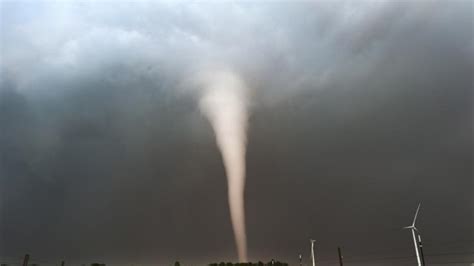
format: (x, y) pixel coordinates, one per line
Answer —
(359, 110)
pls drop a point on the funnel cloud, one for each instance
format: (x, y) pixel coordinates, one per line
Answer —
(223, 102)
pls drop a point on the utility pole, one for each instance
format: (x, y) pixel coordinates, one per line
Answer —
(340, 256)
(26, 259)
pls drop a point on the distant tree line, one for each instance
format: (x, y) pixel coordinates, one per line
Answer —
(271, 263)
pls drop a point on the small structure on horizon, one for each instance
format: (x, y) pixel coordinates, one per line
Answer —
(417, 242)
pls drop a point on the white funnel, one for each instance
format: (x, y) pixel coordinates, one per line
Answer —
(224, 102)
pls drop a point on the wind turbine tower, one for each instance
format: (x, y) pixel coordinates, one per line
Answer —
(421, 250)
(312, 252)
(416, 242)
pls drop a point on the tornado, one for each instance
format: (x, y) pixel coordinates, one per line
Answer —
(224, 102)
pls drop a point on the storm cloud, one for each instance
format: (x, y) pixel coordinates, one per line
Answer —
(358, 111)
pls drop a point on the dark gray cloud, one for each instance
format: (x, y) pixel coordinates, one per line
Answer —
(359, 111)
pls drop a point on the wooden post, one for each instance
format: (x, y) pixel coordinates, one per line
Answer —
(340, 256)
(26, 259)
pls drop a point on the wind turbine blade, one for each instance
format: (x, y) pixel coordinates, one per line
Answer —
(416, 214)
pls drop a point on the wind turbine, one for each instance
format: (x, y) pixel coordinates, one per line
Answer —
(413, 229)
(312, 252)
